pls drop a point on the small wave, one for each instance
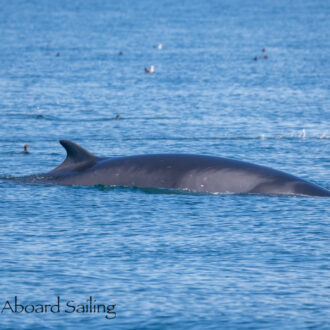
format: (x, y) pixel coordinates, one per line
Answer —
(39, 116)
(152, 191)
(238, 137)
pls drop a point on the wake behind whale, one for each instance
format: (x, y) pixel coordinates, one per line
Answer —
(186, 172)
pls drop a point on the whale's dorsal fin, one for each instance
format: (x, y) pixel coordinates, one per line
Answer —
(76, 155)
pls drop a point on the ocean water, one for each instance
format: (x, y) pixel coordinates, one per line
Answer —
(165, 260)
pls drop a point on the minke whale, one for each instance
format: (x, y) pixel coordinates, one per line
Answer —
(195, 173)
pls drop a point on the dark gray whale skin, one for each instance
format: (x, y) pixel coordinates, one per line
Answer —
(174, 171)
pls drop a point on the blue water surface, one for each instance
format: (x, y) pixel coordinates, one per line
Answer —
(167, 260)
